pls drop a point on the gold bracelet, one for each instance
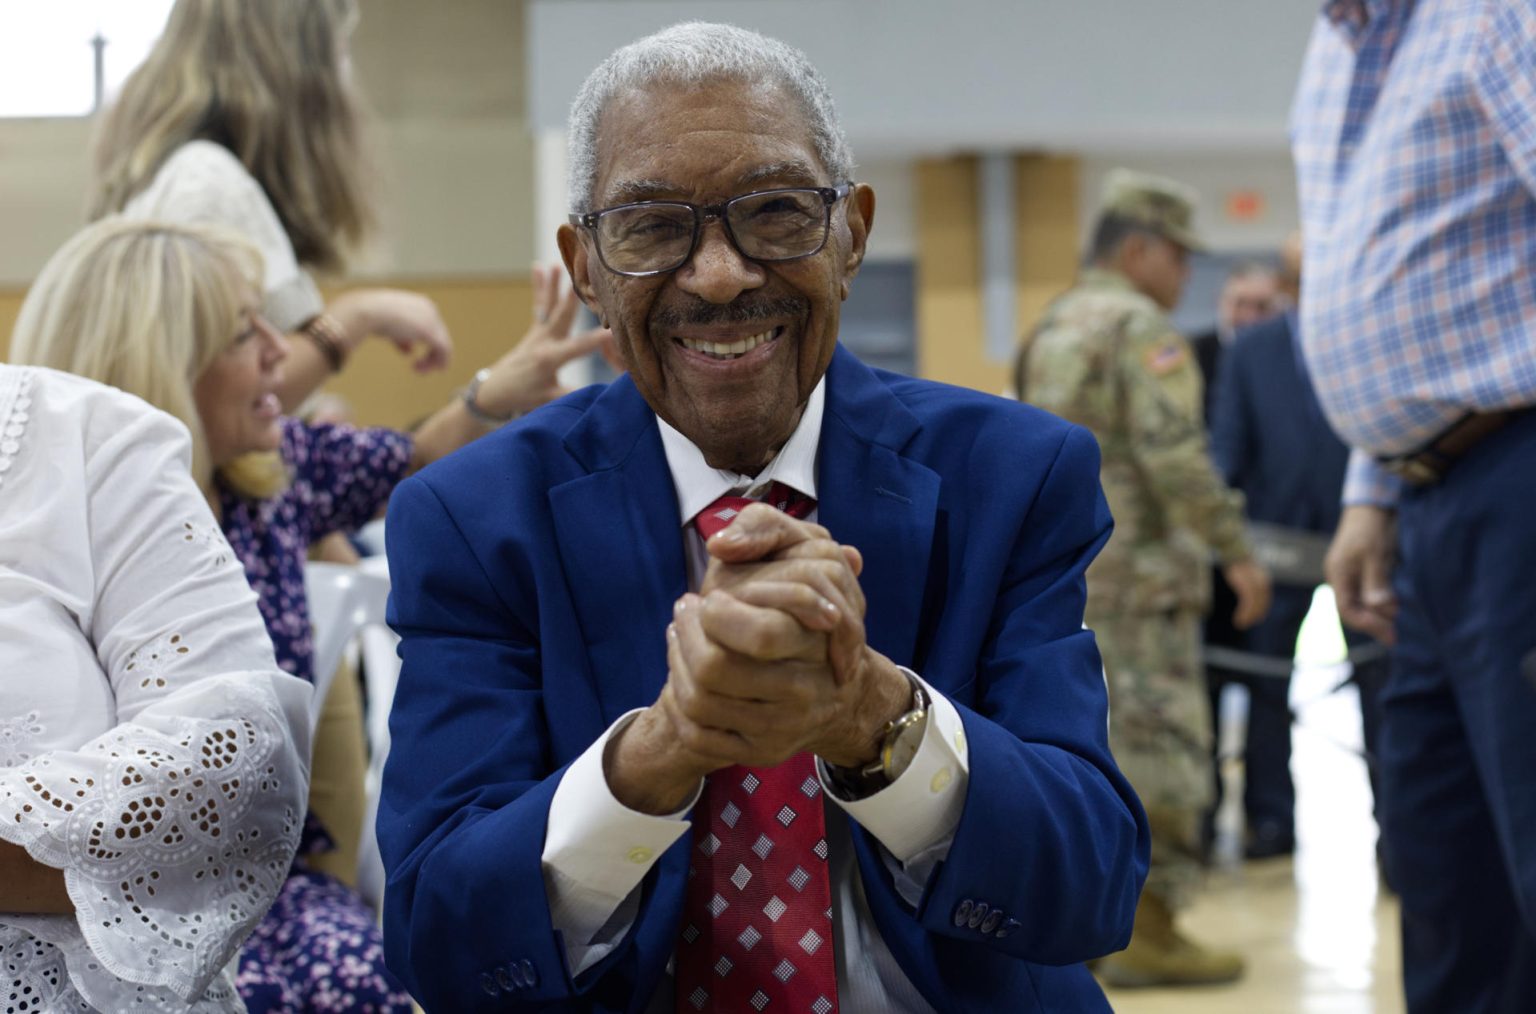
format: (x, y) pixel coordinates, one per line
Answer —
(329, 337)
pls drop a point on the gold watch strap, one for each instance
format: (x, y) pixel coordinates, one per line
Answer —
(876, 775)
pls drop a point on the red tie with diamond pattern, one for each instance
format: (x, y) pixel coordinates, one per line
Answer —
(757, 916)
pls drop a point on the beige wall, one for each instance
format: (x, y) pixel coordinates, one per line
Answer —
(455, 157)
(445, 83)
(42, 191)
(951, 344)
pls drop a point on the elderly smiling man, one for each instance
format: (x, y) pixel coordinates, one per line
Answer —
(658, 746)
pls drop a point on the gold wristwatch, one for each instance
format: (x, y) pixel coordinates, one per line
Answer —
(899, 742)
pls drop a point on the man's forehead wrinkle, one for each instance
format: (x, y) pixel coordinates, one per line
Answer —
(791, 172)
(643, 189)
(646, 136)
(785, 172)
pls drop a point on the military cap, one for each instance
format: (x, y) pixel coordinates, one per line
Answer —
(1163, 206)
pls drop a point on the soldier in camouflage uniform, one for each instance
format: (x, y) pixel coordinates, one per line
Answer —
(1106, 357)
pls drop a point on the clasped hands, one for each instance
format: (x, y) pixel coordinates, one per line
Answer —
(768, 660)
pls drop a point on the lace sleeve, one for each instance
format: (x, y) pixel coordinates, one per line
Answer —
(174, 827)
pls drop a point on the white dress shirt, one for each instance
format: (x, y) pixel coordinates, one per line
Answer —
(597, 851)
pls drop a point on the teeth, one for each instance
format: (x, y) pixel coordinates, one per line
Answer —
(728, 350)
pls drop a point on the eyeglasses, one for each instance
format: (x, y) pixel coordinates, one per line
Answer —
(655, 237)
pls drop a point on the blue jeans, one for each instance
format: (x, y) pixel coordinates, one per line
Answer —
(1458, 736)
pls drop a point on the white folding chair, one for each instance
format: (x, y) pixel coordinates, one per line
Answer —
(347, 606)
(333, 606)
(381, 671)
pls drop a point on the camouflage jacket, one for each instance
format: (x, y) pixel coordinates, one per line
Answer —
(1105, 356)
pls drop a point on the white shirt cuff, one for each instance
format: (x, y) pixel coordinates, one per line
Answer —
(1366, 482)
(922, 807)
(596, 849)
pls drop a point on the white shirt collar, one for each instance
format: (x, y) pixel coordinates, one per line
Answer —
(698, 485)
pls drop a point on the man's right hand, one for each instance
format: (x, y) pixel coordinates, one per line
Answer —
(767, 661)
(1251, 584)
(748, 683)
(1359, 569)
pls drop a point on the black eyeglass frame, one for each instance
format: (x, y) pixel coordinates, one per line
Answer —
(702, 213)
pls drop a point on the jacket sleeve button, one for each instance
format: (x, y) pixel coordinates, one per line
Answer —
(963, 912)
(505, 979)
(990, 923)
(488, 984)
(529, 972)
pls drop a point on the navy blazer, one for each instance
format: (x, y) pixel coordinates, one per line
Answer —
(1269, 436)
(534, 574)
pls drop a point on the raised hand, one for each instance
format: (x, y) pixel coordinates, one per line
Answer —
(408, 320)
(527, 376)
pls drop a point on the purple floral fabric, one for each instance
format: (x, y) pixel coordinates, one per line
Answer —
(342, 477)
(318, 949)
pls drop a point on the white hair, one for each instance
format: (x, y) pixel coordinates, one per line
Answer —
(691, 53)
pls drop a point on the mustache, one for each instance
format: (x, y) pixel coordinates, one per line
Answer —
(739, 311)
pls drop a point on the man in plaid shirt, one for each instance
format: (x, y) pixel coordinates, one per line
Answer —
(1414, 132)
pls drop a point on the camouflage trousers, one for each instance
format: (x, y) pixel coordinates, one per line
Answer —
(1160, 730)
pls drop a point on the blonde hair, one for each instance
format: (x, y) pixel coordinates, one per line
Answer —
(263, 78)
(147, 307)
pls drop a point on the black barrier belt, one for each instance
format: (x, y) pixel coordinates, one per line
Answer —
(1248, 663)
(1293, 556)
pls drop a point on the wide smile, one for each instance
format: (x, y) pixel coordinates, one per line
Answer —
(728, 349)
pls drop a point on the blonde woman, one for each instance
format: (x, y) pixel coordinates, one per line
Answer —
(244, 116)
(172, 313)
(153, 758)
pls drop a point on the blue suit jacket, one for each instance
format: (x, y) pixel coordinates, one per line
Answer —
(534, 575)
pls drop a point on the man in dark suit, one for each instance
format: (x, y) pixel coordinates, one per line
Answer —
(1251, 293)
(658, 745)
(1270, 439)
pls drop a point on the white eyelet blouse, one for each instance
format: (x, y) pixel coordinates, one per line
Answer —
(149, 745)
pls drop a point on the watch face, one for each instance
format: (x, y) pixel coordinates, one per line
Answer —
(908, 738)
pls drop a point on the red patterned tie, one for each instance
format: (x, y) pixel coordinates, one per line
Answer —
(757, 917)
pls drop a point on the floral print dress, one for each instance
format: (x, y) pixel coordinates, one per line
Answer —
(319, 948)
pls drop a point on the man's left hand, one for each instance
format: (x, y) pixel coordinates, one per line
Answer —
(761, 680)
(764, 547)
(771, 580)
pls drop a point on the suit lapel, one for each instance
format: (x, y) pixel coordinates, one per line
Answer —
(873, 498)
(621, 548)
(621, 544)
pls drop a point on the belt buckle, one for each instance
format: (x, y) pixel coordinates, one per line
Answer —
(1415, 469)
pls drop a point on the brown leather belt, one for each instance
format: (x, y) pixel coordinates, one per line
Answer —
(1430, 463)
